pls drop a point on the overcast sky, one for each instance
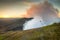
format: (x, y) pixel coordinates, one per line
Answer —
(16, 8)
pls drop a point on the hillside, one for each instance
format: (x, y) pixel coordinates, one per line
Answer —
(51, 32)
(12, 24)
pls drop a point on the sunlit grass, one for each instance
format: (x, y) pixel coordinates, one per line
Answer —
(50, 32)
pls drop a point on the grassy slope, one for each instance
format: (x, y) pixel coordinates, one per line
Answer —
(51, 32)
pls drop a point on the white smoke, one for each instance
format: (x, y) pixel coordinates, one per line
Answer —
(43, 14)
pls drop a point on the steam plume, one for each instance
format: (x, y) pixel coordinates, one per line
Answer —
(43, 14)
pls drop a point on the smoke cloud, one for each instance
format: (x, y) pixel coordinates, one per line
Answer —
(43, 14)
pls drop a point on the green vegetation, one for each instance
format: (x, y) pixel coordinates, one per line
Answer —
(51, 32)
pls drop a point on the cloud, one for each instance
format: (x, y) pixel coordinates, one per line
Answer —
(43, 14)
(33, 0)
(11, 1)
(55, 2)
(19, 0)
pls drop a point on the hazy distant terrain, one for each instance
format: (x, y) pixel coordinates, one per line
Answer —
(11, 24)
(50, 32)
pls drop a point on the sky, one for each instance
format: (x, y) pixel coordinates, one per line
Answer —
(18, 8)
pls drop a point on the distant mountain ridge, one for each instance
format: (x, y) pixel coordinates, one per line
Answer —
(12, 24)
